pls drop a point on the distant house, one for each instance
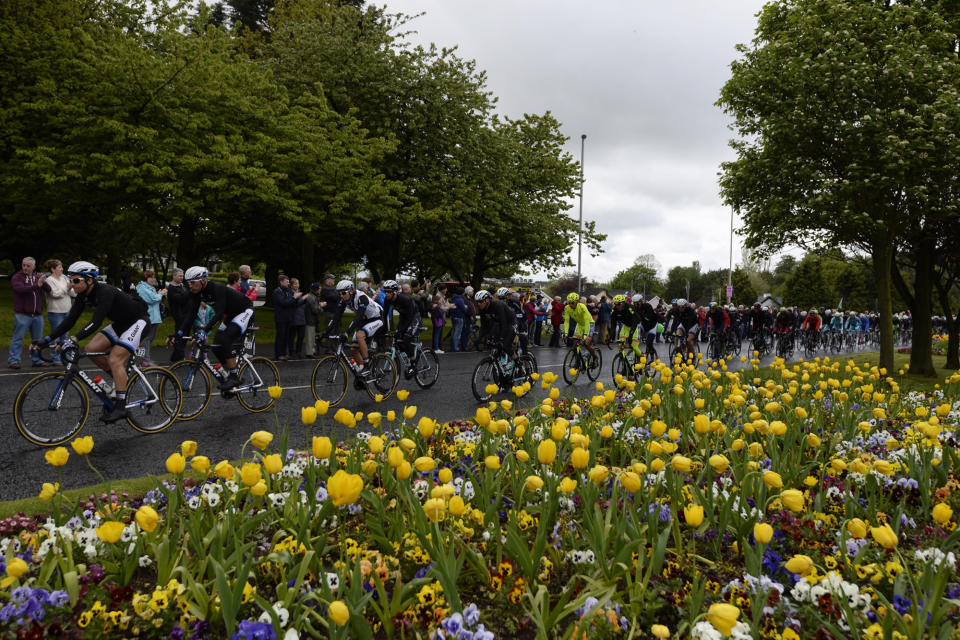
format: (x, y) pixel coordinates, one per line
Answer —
(770, 301)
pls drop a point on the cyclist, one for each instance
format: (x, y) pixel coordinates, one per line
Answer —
(836, 322)
(512, 300)
(367, 321)
(128, 319)
(496, 318)
(719, 320)
(232, 309)
(812, 322)
(580, 314)
(409, 323)
(628, 317)
(686, 320)
(648, 319)
(852, 323)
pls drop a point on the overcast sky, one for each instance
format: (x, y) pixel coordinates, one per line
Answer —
(640, 79)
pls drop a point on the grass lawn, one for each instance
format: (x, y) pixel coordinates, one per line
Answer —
(908, 382)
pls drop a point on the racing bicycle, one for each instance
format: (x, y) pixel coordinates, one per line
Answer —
(578, 360)
(424, 367)
(498, 369)
(629, 366)
(332, 373)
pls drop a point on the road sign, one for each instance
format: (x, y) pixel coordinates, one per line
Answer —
(729, 291)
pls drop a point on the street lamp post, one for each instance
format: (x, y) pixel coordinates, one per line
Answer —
(583, 140)
(730, 269)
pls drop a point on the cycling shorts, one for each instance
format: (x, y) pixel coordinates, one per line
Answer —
(582, 331)
(242, 320)
(129, 338)
(370, 328)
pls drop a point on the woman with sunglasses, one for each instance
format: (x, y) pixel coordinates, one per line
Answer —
(120, 339)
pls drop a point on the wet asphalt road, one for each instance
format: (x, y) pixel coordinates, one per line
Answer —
(120, 452)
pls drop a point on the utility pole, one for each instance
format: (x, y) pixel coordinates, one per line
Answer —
(583, 140)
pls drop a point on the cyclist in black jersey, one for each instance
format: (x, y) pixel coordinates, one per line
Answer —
(128, 317)
(367, 321)
(409, 323)
(496, 318)
(232, 309)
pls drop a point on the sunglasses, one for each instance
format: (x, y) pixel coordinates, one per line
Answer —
(76, 280)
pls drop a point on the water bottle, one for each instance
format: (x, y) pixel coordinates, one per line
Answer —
(354, 365)
(98, 384)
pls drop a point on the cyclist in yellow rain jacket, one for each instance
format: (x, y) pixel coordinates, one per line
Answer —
(578, 312)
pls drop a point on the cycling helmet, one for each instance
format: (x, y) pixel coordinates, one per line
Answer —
(82, 268)
(617, 299)
(713, 304)
(636, 298)
(195, 273)
(766, 308)
(345, 285)
(468, 290)
(682, 302)
(813, 311)
(503, 292)
(390, 285)
(482, 295)
(573, 296)
(803, 314)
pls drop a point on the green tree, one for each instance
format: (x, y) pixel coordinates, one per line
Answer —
(806, 286)
(743, 290)
(847, 112)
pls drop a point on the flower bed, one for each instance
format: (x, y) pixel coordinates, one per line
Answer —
(819, 503)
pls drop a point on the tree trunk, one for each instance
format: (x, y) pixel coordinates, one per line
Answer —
(306, 262)
(921, 350)
(186, 243)
(882, 254)
(953, 325)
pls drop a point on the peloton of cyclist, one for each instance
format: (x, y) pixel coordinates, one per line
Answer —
(233, 311)
(580, 314)
(497, 319)
(409, 323)
(367, 321)
(128, 317)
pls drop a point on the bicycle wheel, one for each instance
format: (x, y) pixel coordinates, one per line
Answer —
(329, 380)
(648, 371)
(572, 362)
(383, 376)
(50, 409)
(594, 364)
(621, 367)
(154, 399)
(257, 375)
(484, 374)
(526, 367)
(196, 386)
(428, 368)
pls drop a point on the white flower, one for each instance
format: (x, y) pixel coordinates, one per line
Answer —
(283, 616)
(276, 499)
(291, 634)
(194, 502)
(213, 499)
(333, 581)
(145, 561)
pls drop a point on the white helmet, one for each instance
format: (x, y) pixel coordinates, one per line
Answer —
(636, 298)
(766, 308)
(803, 314)
(503, 292)
(482, 295)
(345, 285)
(83, 268)
(195, 273)
(390, 285)
(681, 302)
(468, 290)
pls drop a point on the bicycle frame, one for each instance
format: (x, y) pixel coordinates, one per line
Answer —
(73, 370)
(201, 359)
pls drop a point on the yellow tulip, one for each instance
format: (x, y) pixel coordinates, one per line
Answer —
(792, 499)
(857, 528)
(374, 418)
(580, 458)
(57, 457)
(224, 470)
(681, 463)
(547, 451)
(445, 475)
(261, 439)
(660, 631)
(47, 491)
(772, 479)
(259, 489)
(408, 444)
(409, 411)
(598, 474)
(338, 612)
(799, 564)
(559, 429)
(394, 456)
(941, 513)
(200, 463)
(275, 391)
(533, 483)
(701, 424)
(344, 488)
(813, 441)
(176, 463)
(402, 395)
(250, 474)
(424, 463)
(723, 617)
(426, 426)
(391, 416)
(762, 532)
(567, 485)
(84, 445)
(482, 417)
(17, 567)
(404, 470)
(800, 413)
(375, 444)
(630, 481)
(147, 518)
(322, 407)
(273, 463)
(308, 415)
(693, 515)
(435, 508)
(322, 447)
(884, 536)
(492, 462)
(522, 455)
(110, 531)
(719, 462)
(457, 506)
(656, 465)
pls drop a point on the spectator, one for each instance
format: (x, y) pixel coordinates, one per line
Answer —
(58, 300)
(469, 317)
(540, 314)
(530, 316)
(244, 272)
(235, 281)
(298, 326)
(438, 313)
(179, 303)
(147, 290)
(284, 302)
(328, 302)
(458, 313)
(311, 312)
(556, 320)
(603, 320)
(28, 288)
